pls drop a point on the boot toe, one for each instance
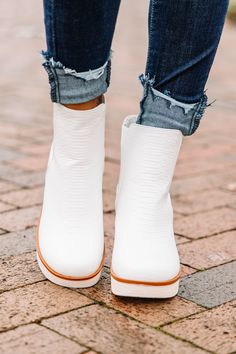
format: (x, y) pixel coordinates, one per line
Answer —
(148, 263)
(71, 256)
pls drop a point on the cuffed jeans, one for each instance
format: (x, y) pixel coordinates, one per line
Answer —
(183, 39)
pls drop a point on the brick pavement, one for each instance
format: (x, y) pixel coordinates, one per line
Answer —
(39, 317)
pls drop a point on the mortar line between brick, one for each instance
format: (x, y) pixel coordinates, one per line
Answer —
(186, 341)
(5, 163)
(64, 336)
(104, 304)
(65, 312)
(204, 309)
(10, 204)
(206, 269)
(203, 211)
(38, 321)
(158, 329)
(23, 188)
(207, 309)
(113, 160)
(187, 265)
(22, 286)
(109, 212)
(207, 236)
(9, 232)
(4, 258)
(12, 190)
(187, 237)
(18, 208)
(5, 232)
(144, 323)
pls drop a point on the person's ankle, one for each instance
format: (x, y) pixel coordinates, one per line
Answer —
(86, 105)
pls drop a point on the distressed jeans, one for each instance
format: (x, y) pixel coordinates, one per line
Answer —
(183, 39)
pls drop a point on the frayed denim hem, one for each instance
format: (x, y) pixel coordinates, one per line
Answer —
(163, 111)
(69, 86)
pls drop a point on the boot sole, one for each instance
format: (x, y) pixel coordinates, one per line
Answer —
(155, 290)
(69, 283)
(66, 280)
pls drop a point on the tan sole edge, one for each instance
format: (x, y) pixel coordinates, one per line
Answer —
(148, 283)
(144, 291)
(78, 284)
(66, 278)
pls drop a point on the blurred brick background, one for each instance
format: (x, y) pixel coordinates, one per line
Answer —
(39, 317)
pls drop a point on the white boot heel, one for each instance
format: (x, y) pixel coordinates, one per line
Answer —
(145, 260)
(70, 237)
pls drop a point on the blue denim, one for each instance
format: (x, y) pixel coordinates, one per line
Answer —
(183, 39)
(70, 86)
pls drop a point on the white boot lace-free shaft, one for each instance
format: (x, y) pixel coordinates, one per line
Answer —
(70, 234)
(145, 251)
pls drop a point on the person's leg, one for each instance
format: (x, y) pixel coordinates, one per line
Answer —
(78, 56)
(183, 37)
(70, 240)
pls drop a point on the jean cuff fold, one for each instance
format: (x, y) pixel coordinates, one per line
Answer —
(160, 110)
(69, 86)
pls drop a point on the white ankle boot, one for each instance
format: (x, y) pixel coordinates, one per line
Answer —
(145, 261)
(70, 239)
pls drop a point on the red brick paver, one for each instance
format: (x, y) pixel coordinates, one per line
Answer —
(112, 332)
(213, 330)
(206, 223)
(37, 339)
(33, 302)
(209, 252)
(153, 313)
(39, 317)
(20, 219)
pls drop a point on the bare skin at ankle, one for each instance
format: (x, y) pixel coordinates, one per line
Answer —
(86, 105)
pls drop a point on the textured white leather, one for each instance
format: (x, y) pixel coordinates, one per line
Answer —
(71, 238)
(145, 248)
